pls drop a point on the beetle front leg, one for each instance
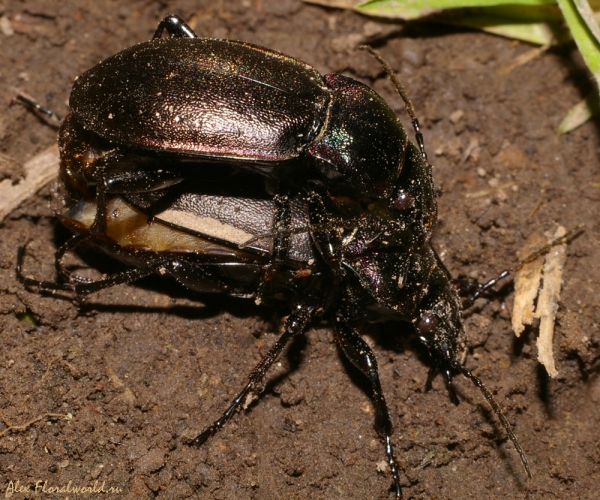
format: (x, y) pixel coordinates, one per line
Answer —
(360, 355)
(294, 325)
(174, 26)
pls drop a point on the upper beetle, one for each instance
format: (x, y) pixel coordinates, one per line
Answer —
(222, 100)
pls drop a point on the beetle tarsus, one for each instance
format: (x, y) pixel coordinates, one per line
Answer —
(389, 450)
(49, 286)
(50, 116)
(212, 429)
(451, 391)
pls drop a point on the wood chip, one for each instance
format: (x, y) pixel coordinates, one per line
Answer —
(39, 171)
(548, 302)
(527, 284)
(543, 275)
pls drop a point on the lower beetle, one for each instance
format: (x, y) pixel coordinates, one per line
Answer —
(333, 247)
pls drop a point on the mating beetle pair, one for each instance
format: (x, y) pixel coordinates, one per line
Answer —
(238, 169)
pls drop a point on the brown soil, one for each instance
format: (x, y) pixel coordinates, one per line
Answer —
(140, 367)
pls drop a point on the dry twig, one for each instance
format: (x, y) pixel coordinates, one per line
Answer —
(39, 171)
(10, 427)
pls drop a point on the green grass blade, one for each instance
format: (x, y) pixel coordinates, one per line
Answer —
(584, 38)
(587, 14)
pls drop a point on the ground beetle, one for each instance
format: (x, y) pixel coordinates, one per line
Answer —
(237, 169)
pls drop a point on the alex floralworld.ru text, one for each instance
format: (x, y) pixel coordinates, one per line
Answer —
(41, 487)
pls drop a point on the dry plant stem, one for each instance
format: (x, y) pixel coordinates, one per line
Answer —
(39, 171)
(527, 284)
(522, 59)
(26, 425)
(548, 302)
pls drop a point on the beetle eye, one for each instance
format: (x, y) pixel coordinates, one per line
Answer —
(403, 201)
(427, 323)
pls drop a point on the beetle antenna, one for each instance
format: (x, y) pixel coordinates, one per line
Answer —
(569, 235)
(410, 109)
(488, 395)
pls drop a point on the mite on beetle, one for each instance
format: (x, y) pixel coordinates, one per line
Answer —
(237, 169)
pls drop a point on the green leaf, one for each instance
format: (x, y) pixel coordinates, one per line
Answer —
(542, 25)
(533, 21)
(445, 4)
(412, 9)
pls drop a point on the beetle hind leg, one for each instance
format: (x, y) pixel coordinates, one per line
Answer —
(360, 355)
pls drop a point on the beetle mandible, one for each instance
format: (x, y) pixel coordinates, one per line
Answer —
(336, 215)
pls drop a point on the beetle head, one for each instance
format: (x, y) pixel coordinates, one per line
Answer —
(439, 326)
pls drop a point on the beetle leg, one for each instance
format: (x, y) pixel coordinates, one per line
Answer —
(294, 325)
(282, 221)
(530, 258)
(360, 355)
(282, 218)
(70, 278)
(68, 245)
(38, 109)
(82, 286)
(174, 26)
(97, 227)
(99, 224)
(79, 285)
